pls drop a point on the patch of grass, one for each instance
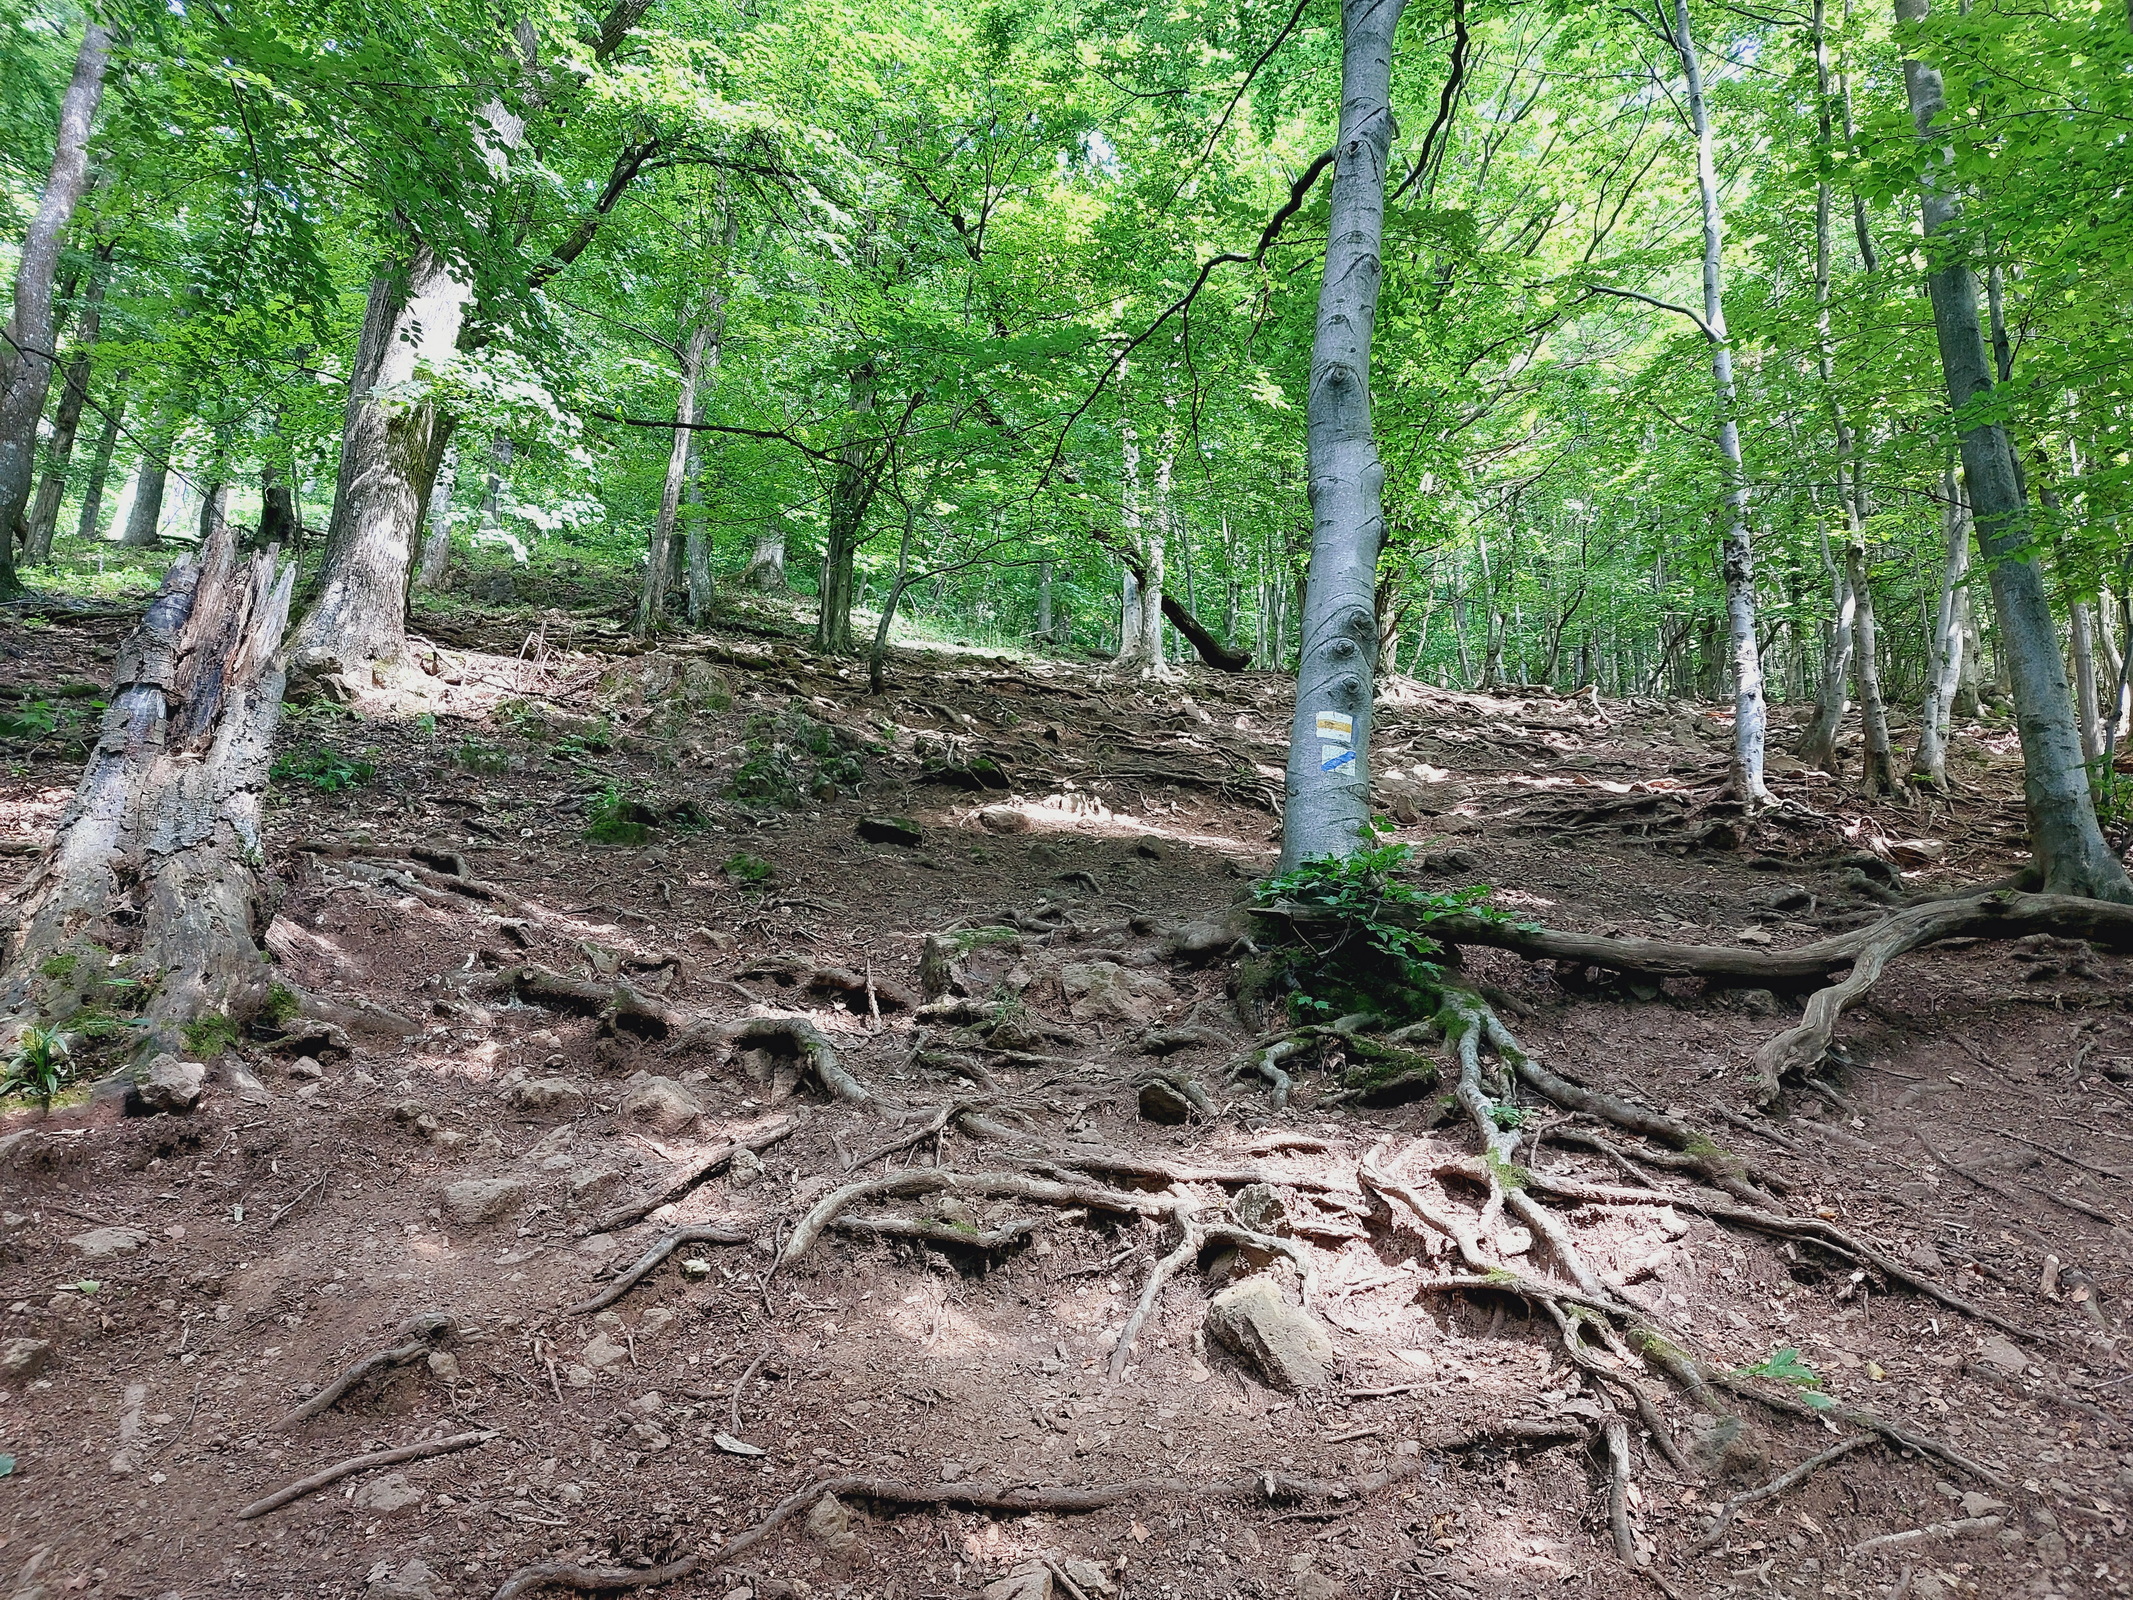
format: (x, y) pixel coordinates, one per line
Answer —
(792, 757)
(747, 869)
(208, 1036)
(474, 756)
(610, 819)
(324, 767)
(60, 966)
(282, 1007)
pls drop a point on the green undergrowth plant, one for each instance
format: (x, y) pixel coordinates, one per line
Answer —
(324, 768)
(792, 757)
(611, 819)
(40, 1066)
(1366, 949)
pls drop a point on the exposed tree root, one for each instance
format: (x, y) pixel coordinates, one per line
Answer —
(757, 1139)
(1791, 1479)
(593, 1580)
(1113, 1161)
(620, 1007)
(1193, 1237)
(931, 1231)
(796, 1036)
(703, 1233)
(934, 1180)
(423, 1334)
(326, 1476)
(975, 1496)
(1616, 1434)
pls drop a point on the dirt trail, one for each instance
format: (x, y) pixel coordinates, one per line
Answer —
(530, 1029)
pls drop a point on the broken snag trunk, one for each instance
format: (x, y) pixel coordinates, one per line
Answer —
(153, 893)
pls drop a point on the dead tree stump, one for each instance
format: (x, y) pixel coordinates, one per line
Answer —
(140, 926)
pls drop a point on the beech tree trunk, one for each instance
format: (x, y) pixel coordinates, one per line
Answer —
(1328, 778)
(150, 479)
(2081, 645)
(696, 539)
(26, 369)
(389, 453)
(66, 423)
(1878, 775)
(1736, 549)
(437, 535)
(155, 871)
(92, 496)
(766, 562)
(1944, 666)
(652, 601)
(851, 494)
(2070, 854)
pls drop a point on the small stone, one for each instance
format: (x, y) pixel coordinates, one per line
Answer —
(1758, 1002)
(551, 1093)
(588, 1188)
(890, 830)
(1026, 1583)
(603, 1353)
(307, 1068)
(656, 1321)
(1287, 1344)
(100, 1242)
(1259, 1208)
(444, 1366)
(1163, 1101)
(168, 1084)
(1103, 989)
(244, 1083)
(390, 1493)
(446, 1138)
(1976, 1504)
(411, 1580)
(2001, 1354)
(22, 1359)
(1004, 819)
(696, 1269)
(2051, 1548)
(745, 1168)
(1923, 1256)
(1086, 1575)
(1150, 849)
(479, 1200)
(658, 1103)
(829, 1524)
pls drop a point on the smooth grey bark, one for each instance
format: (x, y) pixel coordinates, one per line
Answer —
(2070, 854)
(1328, 777)
(358, 619)
(66, 424)
(1944, 648)
(652, 600)
(1044, 600)
(26, 368)
(2081, 645)
(92, 496)
(766, 561)
(1736, 548)
(149, 482)
(696, 539)
(1878, 774)
(1140, 606)
(851, 496)
(437, 534)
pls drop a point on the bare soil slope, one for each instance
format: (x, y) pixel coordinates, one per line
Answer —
(527, 1034)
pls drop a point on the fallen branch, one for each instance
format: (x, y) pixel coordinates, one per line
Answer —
(593, 1580)
(370, 1463)
(758, 1140)
(702, 1233)
(1932, 1530)
(1783, 1481)
(422, 1334)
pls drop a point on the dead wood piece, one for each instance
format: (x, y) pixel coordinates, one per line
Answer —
(422, 1334)
(1953, 1529)
(158, 852)
(937, 1231)
(703, 1233)
(757, 1139)
(974, 1496)
(796, 1036)
(370, 1463)
(593, 1580)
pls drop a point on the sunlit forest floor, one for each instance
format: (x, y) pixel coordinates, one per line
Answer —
(545, 881)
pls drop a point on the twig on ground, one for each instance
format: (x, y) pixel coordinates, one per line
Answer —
(702, 1233)
(593, 1580)
(316, 1186)
(421, 1333)
(354, 1464)
(757, 1139)
(1789, 1479)
(733, 1406)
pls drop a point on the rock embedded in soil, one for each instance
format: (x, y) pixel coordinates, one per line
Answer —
(549, 1093)
(98, 1243)
(411, 1580)
(1162, 1101)
(1031, 1580)
(1284, 1343)
(168, 1084)
(243, 1082)
(307, 1068)
(830, 1524)
(890, 830)
(1004, 819)
(658, 1103)
(477, 1200)
(23, 1359)
(393, 1492)
(1097, 990)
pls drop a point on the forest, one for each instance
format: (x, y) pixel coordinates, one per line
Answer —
(883, 798)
